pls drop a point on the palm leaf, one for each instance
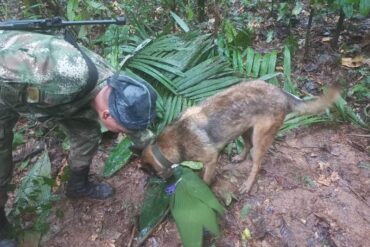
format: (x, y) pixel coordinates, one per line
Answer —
(183, 68)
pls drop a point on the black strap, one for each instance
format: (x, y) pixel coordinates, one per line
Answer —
(159, 156)
(92, 70)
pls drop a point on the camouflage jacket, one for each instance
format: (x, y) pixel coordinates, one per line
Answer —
(42, 74)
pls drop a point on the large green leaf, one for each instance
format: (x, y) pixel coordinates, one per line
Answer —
(34, 194)
(33, 188)
(199, 189)
(155, 207)
(117, 158)
(193, 207)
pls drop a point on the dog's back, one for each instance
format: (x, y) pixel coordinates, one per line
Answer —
(233, 111)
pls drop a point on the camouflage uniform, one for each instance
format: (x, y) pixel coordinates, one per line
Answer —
(40, 77)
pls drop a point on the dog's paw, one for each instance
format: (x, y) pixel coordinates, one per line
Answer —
(245, 188)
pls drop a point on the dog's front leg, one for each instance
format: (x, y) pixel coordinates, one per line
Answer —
(209, 169)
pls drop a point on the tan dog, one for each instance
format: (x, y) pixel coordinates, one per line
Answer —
(254, 110)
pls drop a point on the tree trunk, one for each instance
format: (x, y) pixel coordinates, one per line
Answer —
(201, 10)
(334, 42)
(308, 33)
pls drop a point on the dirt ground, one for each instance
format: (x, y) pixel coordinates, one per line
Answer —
(313, 190)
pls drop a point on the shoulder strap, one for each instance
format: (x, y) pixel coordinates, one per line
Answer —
(92, 70)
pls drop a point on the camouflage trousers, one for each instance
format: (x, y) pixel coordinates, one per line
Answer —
(83, 133)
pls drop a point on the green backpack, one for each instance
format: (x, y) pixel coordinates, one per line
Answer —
(47, 70)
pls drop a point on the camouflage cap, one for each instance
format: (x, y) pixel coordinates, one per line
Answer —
(131, 102)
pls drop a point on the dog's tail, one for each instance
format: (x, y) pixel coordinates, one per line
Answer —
(315, 105)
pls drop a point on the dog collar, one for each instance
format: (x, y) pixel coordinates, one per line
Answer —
(160, 157)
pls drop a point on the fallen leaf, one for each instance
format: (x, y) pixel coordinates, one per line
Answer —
(323, 165)
(94, 237)
(334, 176)
(246, 234)
(326, 39)
(354, 62)
(323, 180)
(327, 181)
(58, 179)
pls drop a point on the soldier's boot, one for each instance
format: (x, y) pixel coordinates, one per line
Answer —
(4, 225)
(79, 186)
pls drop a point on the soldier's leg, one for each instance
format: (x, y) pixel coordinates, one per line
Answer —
(84, 136)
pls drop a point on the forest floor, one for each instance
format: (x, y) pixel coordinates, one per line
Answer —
(313, 188)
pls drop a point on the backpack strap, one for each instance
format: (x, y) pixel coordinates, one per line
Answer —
(92, 70)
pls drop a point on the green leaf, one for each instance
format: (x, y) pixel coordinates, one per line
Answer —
(245, 211)
(288, 85)
(348, 10)
(364, 7)
(250, 60)
(33, 190)
(40, 170)
(293, 121)
(155, 207)
(117, 158)
(348, 114)
(199, 189)
(270, 36)
(183, 69)
(272, 62)
(193, 207)
(192, 165)
(18, 139)
(72, 5)
(240, 63)
(264, 64)
(270, 76)
(230, 31)
(297, 8)
(235, 59)
(96, 5)
(180, 22)
(149, 70)
(256, 64)
(211, 85)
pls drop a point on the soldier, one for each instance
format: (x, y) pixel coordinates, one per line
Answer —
(45, 77)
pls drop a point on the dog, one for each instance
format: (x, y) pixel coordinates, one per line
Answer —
(254, 110)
